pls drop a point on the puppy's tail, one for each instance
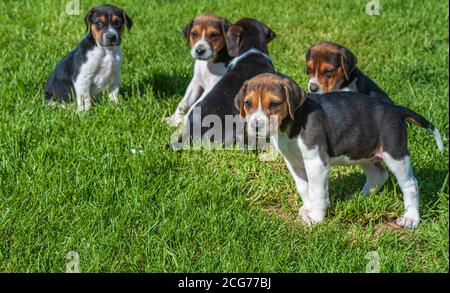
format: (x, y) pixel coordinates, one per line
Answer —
(418, 119)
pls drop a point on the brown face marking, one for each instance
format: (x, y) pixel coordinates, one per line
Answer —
(268, 93)
(96, 33)
(211, 26)
(325, 66)
(104, 19)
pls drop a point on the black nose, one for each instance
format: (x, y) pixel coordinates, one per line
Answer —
(313, 87)
(111, 37)
(200, 51)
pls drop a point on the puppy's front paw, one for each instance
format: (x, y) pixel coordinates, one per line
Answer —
(310, 216)
(409, 220)
(303, 213)
(174, 120)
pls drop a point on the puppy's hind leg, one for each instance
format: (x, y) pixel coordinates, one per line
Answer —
(402, 170)
(376, 176)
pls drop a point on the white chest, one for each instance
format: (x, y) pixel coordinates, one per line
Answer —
(101, 70)
(209, 73)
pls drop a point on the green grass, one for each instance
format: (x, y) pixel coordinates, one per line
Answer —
(69, 182)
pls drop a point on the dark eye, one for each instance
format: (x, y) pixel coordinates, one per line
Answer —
(248, 104)
(213, 35)
(308, 70)
(328, 73)
(273, 105)
(98, 23)
(194, 34)
(117, 22)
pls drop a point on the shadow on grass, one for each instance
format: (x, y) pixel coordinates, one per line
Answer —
(164, 85)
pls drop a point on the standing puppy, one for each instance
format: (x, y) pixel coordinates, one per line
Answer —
(94, 66)
(206, 34)
(313, 132)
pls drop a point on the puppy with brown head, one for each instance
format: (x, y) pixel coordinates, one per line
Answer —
(332, 67)
(93, 67)
(266, 100)
(206, 35)
(315, 131)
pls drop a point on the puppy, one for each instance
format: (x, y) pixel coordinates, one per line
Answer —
(314, 131)
(332, 67)
(94, 65)
(246, 41)
(206, 34)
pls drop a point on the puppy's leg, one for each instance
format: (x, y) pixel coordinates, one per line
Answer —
(376, 176)
(193, 92)
(317, 172)
(82, 91)
(113, 93)
(402, 170)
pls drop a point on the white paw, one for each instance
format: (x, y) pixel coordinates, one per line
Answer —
(311, 217)
(408, 221)
(174, 120)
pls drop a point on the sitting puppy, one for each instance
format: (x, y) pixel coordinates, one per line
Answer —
(94, 66)
(206, 34)
(247, 41)
(332, 67)
(314, 131)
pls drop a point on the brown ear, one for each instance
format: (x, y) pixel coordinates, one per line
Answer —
(295, 96)
(348, 62)
(87, 19)
(307, 57)
(187, 30)
(239, 100)
(233, 40)
(127, 20)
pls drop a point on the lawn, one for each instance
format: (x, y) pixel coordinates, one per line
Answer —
(72, 182)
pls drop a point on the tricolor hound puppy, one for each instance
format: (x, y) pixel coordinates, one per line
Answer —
(332, 67)
(246, 41)
(206, 34)
(314, 131)
(94, 65)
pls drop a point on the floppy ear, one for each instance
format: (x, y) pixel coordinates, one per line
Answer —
(233, 40)
(225, 26)
(87, 19)
(187, 30)
(348, 62)
(127, 20)
(295, 96)
(270, 34)
(239, 100)
(307, 57)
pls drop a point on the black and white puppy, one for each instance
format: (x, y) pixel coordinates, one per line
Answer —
(206, 34)
(332, 67)
(314, 131)
(93, 67)
(246, 41)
